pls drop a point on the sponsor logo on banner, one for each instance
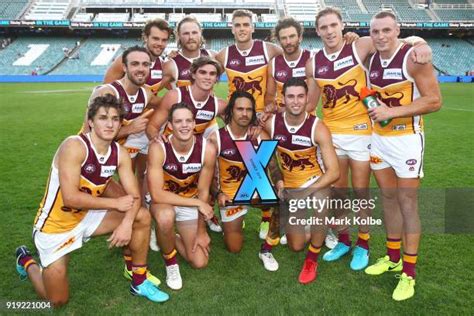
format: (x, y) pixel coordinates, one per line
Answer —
(343, 63)
(138, 107)
(392, 73)
(156, 74)
(107, 171)
(191, 167)
(301, 140)
(255, 60)
(204, 115)
(299, 72)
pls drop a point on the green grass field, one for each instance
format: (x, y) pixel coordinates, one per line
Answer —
(37, 117)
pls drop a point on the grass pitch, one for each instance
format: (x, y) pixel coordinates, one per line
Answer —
(37, 117)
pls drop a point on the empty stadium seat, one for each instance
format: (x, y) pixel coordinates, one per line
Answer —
(11, 9)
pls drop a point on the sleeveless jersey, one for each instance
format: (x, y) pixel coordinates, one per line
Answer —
(284, 70)
(156, 74)
(96, 171)
(133, 104)
(232, 169)
(340, 76)
(182, 65)
(297, 151)
(395, 87)
(181, 172)
(247, 71)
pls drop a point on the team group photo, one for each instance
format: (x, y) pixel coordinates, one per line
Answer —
(280, 161)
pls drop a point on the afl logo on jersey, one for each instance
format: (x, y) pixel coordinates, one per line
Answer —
(185, 73)
(374, 75)
(234, 62)
(228, 152)
(281, 74)
(280, 138)
(171, 167)
(323, 70)
(90, 168)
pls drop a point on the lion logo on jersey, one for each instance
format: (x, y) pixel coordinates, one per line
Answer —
(290, 163)
(235, 174)
(391, 101)
(176, 188)
(332, 94)
(253, 85)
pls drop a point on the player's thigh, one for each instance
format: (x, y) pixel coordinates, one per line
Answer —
(343, 180)
(360, 173)
(164, 215)
(188, 232)
(387, 181)
(56, 282)
(108, 224)
(233, 235)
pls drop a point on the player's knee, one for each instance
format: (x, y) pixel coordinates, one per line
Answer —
(234, 247)
(143, 219)
(164, 220)
(295, 246)
(199, 262)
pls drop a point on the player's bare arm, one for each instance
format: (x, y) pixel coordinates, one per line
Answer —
(160, 115)
(270, 92)
(115, 71)
(313, 89)
(323, 138)
(69, 159)
(205, 179)
(155, 179)
(273, 50)
(221, 106)
(169, 75)
(220, 57)
(428, 102)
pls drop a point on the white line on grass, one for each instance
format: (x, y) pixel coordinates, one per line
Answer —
(458, 109)
(56, 91)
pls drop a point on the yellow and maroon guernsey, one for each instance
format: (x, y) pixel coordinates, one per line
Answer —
(340, 77)
(232, 170)
(181, 172)
(395, 87)
(204, 112)
(96, 171)
(156, 74)
(182, 66)
(134, 104)
(284, 70)
(297, 151)
(247, 71)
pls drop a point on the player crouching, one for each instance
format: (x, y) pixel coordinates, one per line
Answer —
(77, 206)
(180, 173)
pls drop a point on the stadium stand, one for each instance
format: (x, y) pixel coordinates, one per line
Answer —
(447, 52)
(455, 14)
(112, 17)
(83, 17)
(11, 9)
(26, 53)
(451, 1)
(302, 10)
(143, 17)
(47, 10)
(208, 17)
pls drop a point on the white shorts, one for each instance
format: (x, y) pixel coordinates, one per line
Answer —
(186, 213)
(403, 153)
(137, 143)
(356, 147)
(230, 213)
(52, 247)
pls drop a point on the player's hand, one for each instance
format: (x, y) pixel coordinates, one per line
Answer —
(172, 54)
(121, 236)
(351, 37)
(204, 241)
(139, 124)
(422, 54)
(124, 203)
(280, 186)
(254, 132)
(222, 198)
(206, 210)
(381, 113)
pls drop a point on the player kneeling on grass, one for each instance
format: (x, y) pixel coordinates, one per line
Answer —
(74, 208)
(302, 141)
(240, 115)
(180, 173)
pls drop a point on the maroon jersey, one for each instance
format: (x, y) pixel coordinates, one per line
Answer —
(232, 169)
(297, 151)
(284, 70)
(247, 71)
(204, 112)
(181, 172)
(133, 104)
(182, 64)
(96, 172)
(395, 87)
(156, 72)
